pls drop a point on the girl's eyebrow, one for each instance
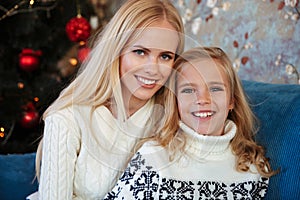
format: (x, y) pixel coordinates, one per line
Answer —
(217, 83)
(188, 84)
(209, 83)
(148, 50)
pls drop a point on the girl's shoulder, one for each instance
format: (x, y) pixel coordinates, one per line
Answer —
(150, 147)
(152, 155)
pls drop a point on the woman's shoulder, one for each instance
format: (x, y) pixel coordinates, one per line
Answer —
(68, 116)
(74, 110)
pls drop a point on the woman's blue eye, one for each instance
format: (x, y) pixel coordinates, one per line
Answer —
(139, 52)
(166, 57)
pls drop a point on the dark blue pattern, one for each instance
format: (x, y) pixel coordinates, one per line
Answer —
(173, 189)
(212, 190)
(146, 185)
(250, 189)
(140, 181)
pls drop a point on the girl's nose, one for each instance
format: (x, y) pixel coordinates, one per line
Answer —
(203, 97)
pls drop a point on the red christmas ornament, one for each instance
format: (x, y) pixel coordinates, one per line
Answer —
(78, 29)
(83, 53)
(29, 59)
(30, 117)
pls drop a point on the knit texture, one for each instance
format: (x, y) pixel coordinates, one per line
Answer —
(206, 171)
(84, 154)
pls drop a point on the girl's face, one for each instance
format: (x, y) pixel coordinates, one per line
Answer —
(203, 96)
(146, 63)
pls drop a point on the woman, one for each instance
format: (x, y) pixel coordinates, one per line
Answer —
(92, 128)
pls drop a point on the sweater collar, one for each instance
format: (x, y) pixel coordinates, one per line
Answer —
(135, 126)
(203, 146)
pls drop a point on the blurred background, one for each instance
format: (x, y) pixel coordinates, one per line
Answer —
(43, 42)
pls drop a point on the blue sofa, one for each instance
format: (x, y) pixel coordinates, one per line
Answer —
(17, 176)
(278, 109)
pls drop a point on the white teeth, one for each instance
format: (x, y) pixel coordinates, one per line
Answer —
(203, 114)
(146, 81)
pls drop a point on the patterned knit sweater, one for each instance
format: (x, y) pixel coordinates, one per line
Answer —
(206, 171)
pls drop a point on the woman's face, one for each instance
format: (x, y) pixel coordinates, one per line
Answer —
(146, 63)
(203, 96)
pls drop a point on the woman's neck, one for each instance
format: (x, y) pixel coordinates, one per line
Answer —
(131, 102)
(131, 106)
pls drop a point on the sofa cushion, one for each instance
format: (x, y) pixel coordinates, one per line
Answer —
(277, 106)
(17, 172)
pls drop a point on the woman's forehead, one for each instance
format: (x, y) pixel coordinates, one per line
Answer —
(157, 37)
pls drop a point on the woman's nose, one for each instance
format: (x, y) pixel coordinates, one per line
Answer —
(152, 66)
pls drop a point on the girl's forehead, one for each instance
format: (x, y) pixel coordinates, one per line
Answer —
(201, 64)
(204, 69)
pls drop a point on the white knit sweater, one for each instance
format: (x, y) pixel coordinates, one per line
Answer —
(206, 171)
(83, 159)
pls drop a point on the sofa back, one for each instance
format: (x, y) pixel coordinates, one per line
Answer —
(277, 106)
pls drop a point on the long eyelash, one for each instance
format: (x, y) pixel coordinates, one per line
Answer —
(136, 50)
(217, 89)
(170, 57)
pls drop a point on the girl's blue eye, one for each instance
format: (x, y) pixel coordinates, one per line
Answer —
(216, 89)
(187, 90)
(139, 52)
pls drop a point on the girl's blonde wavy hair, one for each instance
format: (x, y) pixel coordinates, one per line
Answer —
(98, 81)
(243, 144)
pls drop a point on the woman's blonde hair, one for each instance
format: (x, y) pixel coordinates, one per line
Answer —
(98, 81)
(243, 144)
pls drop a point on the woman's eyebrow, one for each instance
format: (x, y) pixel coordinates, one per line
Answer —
(148, 49)
(141, 47)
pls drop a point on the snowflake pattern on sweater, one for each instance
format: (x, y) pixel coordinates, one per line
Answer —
(140, 181)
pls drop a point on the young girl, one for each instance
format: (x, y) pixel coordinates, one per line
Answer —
(93, 126)
(204, 149)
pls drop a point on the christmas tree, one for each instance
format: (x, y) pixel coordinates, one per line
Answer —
(42, 44)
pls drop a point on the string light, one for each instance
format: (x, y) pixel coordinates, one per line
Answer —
(73, 61)
(36, 99)
(2, 134)
(9, 133)
(9, 12)
(15, 8)
(20, 85)
(31, 2)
